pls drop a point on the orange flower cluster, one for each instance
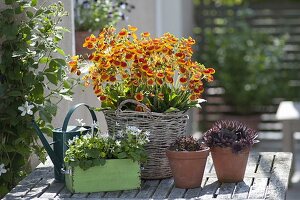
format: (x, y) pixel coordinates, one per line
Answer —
(141, 64)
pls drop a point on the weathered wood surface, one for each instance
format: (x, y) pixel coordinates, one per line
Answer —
(266, 177)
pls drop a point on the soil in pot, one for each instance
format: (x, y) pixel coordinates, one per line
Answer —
(230, 167)
(187, 167)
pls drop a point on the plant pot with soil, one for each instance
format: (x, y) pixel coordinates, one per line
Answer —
(187, 158)
(230, 143)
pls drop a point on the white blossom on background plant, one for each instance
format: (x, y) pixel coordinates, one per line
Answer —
(2, 169)
(26, 109)
(80, 122)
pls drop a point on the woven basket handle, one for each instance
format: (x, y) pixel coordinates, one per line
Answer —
(123, 103)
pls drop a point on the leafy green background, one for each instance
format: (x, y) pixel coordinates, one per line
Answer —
(32, 69)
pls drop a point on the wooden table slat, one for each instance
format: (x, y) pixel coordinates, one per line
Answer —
(242, 189)
(164, 188)
(41, 186)
(80, 195)
(129, 194)
(53, 190)
(257, 190)
(148, 189)
(226, 190)
(64, 193)
(209, 189)
(265, 162)
(176, 193)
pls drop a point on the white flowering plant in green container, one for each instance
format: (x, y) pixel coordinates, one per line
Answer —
(104, 162)
(91, 149)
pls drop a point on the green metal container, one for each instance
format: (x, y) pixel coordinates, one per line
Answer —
(60, 139)
(116, 174)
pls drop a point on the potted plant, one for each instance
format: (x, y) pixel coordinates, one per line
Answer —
(102, 162)
(187, 158)
(93, 15)
(157, 76)
(230, 143)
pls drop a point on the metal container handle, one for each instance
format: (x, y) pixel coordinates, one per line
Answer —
(71, 111)
(67, 119)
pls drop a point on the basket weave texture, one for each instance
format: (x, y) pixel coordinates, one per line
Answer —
(163, 128)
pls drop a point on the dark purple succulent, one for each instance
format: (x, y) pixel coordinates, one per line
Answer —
(230, 133)
(186, 143)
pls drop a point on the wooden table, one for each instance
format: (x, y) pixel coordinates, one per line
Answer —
(266, 177)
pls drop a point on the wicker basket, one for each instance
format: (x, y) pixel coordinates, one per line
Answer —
(163, 128)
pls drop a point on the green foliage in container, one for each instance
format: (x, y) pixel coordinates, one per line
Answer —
(91, 150)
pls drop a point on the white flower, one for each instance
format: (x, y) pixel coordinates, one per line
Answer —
(120, 134)
(118, 142)
(133, 130)
(2, 169)
(87, 136)
(70, 142)
(80, 122)
(26, 108)
(201, 100)
(147, 133)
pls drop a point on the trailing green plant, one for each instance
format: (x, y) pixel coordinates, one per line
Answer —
(33, 79)
(91, 150)
(94, 15)
(227, 133)
(248, 62)
(186, 143)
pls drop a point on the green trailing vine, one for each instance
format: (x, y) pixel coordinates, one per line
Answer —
(33, 80)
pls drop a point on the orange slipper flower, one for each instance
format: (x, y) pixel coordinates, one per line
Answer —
(139, 96)
(183, 80)
(193, 97)
(169, 79)
(102, 98)
(123, 64)
(150, 81)
(112, 79)
(145, 34)
(159, 81)
(160, 96)
(160, 75)
(132, 28)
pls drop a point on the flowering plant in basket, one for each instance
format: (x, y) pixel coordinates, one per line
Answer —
(158, 72)
(91, 150)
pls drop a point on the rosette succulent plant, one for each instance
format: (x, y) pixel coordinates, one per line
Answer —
(186, 143)
(232, 134)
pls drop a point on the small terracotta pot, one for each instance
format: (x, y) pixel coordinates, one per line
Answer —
(187, 167)
(230, 167)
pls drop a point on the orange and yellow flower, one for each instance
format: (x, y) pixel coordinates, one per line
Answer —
(124, 60)
(139, 96)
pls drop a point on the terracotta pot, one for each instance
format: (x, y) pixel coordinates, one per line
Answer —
(230, 167)
(187, 167)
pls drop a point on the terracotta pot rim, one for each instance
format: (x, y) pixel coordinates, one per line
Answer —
(187, 155)
(228, 150)
(203, 150)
